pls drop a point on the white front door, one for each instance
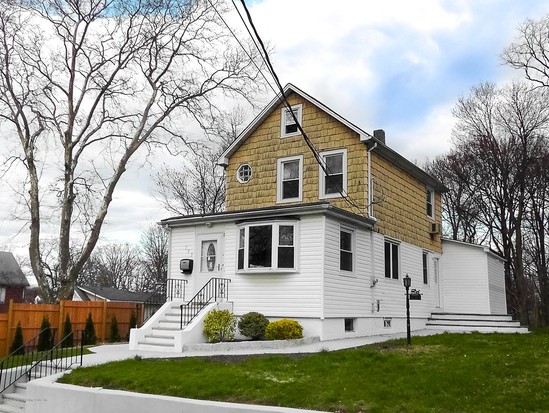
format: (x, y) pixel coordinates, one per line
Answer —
(436, 279)
(210, 261)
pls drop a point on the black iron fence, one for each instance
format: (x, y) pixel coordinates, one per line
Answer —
(215, 288)
(39, 357)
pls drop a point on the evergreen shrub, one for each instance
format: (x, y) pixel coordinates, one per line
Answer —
(253, 325)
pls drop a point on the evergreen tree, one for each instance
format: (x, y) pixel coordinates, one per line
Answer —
(89, 332)
(17, 346)
(45, 337)
(68, 339)
(115, 334)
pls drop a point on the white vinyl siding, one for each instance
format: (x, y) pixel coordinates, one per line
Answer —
(391, 292)
(465, 274)
(496, 274)
(290, 294)
(346, 296)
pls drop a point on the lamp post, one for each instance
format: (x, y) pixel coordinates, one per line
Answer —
(407, 283)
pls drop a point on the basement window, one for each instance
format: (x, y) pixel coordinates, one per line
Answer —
(350, 324)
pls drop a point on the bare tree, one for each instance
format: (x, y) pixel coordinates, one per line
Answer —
(529, 52)
(460, 213)
(154, 258)
(114, 266)
(503, 130)
(84, 84)
(199, 186)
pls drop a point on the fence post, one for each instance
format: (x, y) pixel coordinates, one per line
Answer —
(8, 331)
(61, 320)
(104, 321)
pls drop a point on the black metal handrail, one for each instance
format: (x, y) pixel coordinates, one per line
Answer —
(34, 363)
(163, 292)
(214, 289)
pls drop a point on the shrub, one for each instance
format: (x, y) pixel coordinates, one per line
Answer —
(45, 337)
(133, 324)
(284, 330)
(17, 345)
(219, 325)
(114, 336)
(253, 325)
(68, 339)
(89, 332)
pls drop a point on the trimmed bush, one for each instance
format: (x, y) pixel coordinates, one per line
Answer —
(68, 339)
(90, 338)
(133, 324)
(253, 325)
(284, 329)
(45, 337)
(17, 345)
(219, 325)
(114, 336)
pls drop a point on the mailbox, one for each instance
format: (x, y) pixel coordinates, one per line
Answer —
(186, 266)
(415, 295)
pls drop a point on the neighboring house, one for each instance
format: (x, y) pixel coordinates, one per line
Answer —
(91, 293)
(12, 281)
(329, 246)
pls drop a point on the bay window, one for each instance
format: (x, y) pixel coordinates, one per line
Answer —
(267, 246)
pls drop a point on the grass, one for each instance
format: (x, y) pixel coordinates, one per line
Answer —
(29, 358)
(443, 373)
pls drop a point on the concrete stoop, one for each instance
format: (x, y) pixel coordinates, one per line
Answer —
(14, 402)
(482, 323)
(163, 331)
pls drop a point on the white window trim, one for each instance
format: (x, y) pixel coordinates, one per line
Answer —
(274, 253)
(283, 133)
(425, 255)
(238, 173)
(431, 194)
(279, 181)
(353, 251)
(321, 174)
(399, 260)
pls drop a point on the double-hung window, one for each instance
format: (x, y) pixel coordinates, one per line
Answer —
(346, 250)
(267, 246)
(333, 177)
(430, 204)
(289, 179)
(392, 259)
(288, 125)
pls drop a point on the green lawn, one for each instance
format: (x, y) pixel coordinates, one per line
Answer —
(443, 373)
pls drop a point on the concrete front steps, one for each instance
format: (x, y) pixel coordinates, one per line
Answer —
(482, 323)
(163, 333)
(14, 402)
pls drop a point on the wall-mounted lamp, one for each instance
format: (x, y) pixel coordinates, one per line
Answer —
(209, 224)
(374, 282)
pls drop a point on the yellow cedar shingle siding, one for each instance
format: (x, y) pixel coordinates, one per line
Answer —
(402, 213)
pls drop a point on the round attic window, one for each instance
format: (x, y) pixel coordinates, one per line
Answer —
(244, 173)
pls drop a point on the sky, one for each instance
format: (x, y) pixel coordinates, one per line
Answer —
(397, 65)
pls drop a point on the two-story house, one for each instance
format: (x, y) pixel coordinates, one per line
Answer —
(322, 229)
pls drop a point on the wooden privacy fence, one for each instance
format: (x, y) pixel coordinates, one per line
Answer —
(31, 315)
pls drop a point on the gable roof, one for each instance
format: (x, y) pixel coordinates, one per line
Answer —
(10, 272)
(111, 294)
(370, 141)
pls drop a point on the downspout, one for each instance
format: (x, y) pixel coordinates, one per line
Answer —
(373, 280)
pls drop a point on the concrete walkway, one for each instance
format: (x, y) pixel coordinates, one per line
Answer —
(115, 352)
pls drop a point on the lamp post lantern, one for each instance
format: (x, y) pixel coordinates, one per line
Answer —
(407, 283)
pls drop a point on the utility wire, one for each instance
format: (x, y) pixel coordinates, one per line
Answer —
(265, 56)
